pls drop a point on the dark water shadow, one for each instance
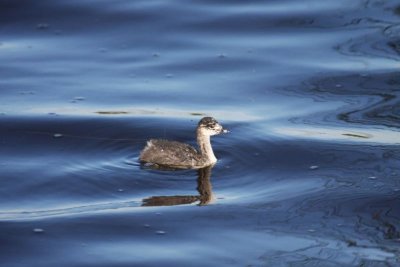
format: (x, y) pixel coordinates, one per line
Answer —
(204, 188)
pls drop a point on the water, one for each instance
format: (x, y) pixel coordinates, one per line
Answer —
(308, 176)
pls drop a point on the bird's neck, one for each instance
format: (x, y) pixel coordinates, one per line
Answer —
(206, 151)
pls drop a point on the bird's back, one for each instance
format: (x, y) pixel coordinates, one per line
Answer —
(170, 153)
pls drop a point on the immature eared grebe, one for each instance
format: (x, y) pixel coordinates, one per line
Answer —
(183, 156)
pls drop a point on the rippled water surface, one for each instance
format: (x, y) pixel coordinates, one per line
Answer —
(308, 176)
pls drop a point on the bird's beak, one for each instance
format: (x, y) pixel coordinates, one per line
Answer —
(225, 131)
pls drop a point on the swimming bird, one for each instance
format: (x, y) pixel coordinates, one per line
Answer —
(173, 154)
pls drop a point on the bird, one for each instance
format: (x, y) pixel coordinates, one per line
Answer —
(178, 155)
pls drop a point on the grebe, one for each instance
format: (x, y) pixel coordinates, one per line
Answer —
(178, 155)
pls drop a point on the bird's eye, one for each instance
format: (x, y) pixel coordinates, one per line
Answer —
(211, 125)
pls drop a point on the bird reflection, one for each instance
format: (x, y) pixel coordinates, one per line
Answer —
(204, 188)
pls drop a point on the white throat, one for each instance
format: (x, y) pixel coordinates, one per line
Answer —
(206, 151)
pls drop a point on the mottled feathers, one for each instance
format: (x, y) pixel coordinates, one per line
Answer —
(168, 153)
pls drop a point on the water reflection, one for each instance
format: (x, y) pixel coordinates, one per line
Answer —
(203, 187)
(303, 83)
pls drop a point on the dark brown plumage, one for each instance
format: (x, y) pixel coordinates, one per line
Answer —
(175, 154)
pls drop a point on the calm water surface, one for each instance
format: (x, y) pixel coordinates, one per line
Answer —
(308, 176)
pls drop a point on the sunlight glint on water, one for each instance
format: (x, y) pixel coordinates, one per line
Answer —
(307, 176)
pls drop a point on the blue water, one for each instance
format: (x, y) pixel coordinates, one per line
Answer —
(308, 176)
